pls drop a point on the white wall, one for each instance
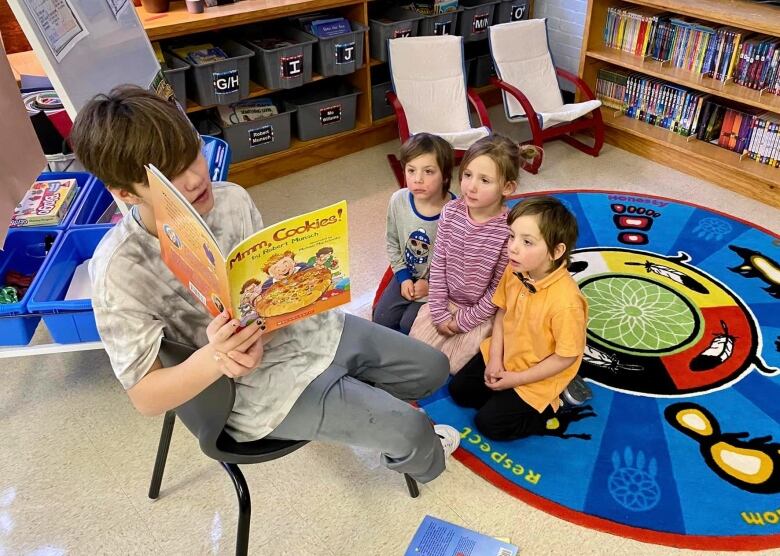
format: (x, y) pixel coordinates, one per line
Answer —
(565, 26)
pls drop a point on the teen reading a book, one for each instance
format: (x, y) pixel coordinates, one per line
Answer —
(538, 339)
(470, 251)
(412, 221)
(330, 377)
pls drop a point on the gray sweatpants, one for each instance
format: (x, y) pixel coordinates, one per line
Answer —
(361, 399)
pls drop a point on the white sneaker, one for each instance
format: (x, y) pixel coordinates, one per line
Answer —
(450, 438)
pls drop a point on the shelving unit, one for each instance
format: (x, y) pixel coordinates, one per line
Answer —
(688, 155)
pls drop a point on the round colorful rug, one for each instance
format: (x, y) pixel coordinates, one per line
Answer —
(683, 357)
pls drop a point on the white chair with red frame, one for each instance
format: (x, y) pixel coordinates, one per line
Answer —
(430, 93)
(529, 84)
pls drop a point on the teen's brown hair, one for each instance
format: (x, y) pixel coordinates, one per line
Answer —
(427, 143)
(556, 224)
(115, 135)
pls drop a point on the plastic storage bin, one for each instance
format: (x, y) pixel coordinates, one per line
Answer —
(83, 179)
(481, 70)
(341, 54)
(174, 70)
(259, 137)
(326, 111)
(24, 251)
(68, 321)
(511, 10)
(441, 24)
(284, 67)
(392, 25)
(380, 106)
(95, 202)
(222, 82)
(475, 19)
(217, 154)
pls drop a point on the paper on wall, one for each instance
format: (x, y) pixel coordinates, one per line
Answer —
(59, 24)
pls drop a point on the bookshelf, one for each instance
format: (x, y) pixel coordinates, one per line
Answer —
(723, 167)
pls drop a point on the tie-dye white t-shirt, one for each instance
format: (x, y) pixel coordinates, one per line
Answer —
(137, 301)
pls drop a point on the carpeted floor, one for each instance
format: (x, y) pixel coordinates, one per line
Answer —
(683, 358)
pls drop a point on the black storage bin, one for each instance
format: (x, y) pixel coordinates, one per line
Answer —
(441, 24)
(393, 24)
(508, 11)
(475, 19)
(283, 67)
(480, 71)
(325, 111)
(380, 106)
(174, 69)
(222, 82)
(259, 137)
(341, 54)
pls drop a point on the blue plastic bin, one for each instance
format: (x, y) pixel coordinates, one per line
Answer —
(24, 251)
(94, 202)
(83, 179)
(217, 153)
(67, 321)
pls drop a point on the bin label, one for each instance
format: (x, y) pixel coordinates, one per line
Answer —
(517, 12)
(398, 33)
(442, 28)
(330, 114)
(480, 22)
(292, 66)
(345, 53)
(261, 135)
(225, 82)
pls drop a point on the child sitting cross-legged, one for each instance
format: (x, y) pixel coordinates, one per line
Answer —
(538, 338)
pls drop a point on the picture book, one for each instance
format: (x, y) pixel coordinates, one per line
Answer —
(45, 204)
(436, 537)
(283, 273)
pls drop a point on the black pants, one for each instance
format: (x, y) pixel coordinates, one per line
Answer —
(501, 415)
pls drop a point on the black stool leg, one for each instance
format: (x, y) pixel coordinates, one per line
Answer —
(411, 484)
(162, 454)
(244, 507)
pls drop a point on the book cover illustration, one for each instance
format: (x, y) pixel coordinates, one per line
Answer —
(45, 204)
(286, 272)
(436, 537)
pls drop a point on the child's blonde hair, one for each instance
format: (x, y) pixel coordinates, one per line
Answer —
(556, 224)
(427, 143)
(505, 153)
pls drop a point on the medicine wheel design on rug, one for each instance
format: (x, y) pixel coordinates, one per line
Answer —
(680, 444)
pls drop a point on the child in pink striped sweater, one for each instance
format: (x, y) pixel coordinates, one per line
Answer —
(469, 255)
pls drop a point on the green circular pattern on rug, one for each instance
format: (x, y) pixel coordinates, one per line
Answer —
(637, 315)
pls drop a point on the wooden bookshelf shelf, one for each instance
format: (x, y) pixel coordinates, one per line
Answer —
(745, 14)
(177, 21)
(728, 90)
(699, 158)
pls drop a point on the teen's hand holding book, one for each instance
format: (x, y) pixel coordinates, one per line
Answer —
(235, 353)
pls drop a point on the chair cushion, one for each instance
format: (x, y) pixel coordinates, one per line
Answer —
(521, 56)
(430, 82)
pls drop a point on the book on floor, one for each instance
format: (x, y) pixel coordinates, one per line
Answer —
(436, 537)
(281, 274)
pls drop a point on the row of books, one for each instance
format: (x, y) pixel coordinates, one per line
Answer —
(721, 53)
(748, 131)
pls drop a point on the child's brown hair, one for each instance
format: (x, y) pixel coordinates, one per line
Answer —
(505, 153)
(115, 135)
(427, 143)
(250, 282)
(556, 224)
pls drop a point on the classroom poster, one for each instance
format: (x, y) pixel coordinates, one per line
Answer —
(59, 24)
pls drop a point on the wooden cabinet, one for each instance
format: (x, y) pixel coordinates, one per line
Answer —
(301, 154)
(689, 155)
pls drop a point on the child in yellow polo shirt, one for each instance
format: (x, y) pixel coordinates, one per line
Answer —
(538, 338)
